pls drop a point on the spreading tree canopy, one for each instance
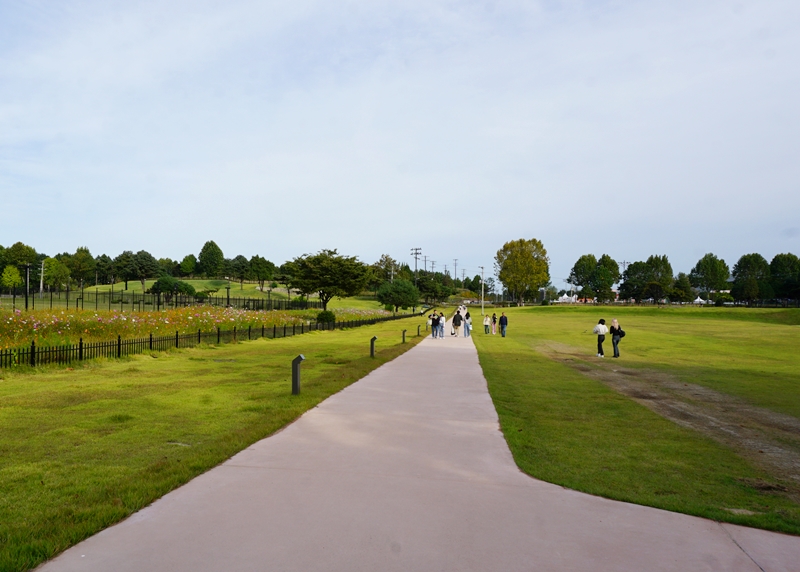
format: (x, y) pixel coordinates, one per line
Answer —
(523, 266)
(329, 274)
(710, 273)
(400, 294)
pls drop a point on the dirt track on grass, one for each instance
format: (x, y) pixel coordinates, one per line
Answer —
(771, 440)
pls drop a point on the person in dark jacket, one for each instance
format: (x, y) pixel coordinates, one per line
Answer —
(616, 336)
(503, 324)
(457, 320)
(434, 325)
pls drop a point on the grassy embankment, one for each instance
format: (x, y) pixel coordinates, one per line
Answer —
(83, 448)
(565, 426)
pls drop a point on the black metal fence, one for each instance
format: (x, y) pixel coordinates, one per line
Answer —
(34, 355)
(137, 301)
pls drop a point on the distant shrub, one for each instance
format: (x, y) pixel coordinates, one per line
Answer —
(722, 299)
(545, 302)
(326, 317)
(388, 307)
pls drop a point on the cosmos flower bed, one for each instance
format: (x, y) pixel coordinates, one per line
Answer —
(57, 327)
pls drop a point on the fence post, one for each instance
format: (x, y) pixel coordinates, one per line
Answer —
(274, 331)
(248, 332)
(372, 346)
(151, 341)
(426, 327)
(284, 330)
(234, 333)
(218, 334)
(176, 338)
(293, 329)
(198, 336)
(80, 349)
(262, 330)
(302, 327)
(404, 336)
(33, 354)
(119, 346)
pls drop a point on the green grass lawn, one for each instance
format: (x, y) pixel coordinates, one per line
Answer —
(567, 428)
(246, 290)
(83, 448)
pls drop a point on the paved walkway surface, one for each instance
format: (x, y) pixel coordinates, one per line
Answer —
(408, 470)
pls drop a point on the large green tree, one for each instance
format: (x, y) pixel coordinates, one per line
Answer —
(661, 271)
(751, 279)
(11, 278)
(261, 270)
(104, 269)
(330, 275)
(634, 281)
(583, 271)
(240, 269)
(785, 275)
(681, 289)
(211, 260)
(145, 266)
(124, 267)
(188, 265)
(710, 274)
(82, 265)
(56, 273)
(400, 294)
(523, 266)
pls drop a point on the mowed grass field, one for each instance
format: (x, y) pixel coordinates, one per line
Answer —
(636, 428)
(83, 448)
(246, 290)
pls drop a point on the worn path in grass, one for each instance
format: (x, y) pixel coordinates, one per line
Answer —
(408, 470)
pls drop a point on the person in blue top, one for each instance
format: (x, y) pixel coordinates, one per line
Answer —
(503, 324)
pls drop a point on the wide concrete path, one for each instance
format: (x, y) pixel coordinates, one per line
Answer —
(408, 470)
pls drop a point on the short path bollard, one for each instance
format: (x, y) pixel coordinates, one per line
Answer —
(418, 327)
(296, 374)
(404, 336)
(372, 346)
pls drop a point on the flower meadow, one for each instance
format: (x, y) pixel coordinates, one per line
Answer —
(58, 327)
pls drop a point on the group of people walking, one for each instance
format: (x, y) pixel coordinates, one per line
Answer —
(616, 331)
(462, 319)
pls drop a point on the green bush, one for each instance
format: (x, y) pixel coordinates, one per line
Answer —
(545, 302)
(326, 317)
(722, 298)
(388, 307)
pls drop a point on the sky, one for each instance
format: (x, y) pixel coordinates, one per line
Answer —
(281, 128)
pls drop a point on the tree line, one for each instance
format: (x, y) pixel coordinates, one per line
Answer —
(751, 278)
(326, 274)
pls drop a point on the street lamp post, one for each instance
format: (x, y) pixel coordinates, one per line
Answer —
(481, 267)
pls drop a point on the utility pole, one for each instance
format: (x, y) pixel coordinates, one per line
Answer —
(463, 274)
(455, 269)
(481, 267)
(433, 266)
(445, 269)
(425, 262)
(415, 252)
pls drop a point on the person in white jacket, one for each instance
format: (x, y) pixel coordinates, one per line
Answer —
(601, 331)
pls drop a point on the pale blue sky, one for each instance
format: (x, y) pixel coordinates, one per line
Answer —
(632, 128)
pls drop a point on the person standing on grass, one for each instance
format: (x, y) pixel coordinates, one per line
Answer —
(457, 320)
(494, 324)
(487, 323)
(503, 324)
(442, 324)
(434, 325)
(601, 331)
(616, 336)
(467, 324)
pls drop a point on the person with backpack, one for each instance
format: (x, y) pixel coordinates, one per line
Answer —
(601, 330)
(617, 333)
(457, 320)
